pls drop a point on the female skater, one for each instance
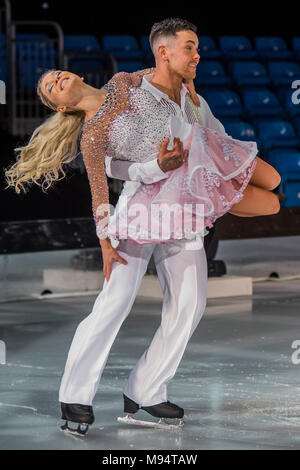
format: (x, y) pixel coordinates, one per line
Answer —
(220, 175)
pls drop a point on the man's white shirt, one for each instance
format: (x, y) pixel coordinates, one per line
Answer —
(136, 173)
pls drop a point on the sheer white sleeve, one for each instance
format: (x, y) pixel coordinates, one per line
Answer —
(147, 173)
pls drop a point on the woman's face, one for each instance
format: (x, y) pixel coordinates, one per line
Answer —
(62, 88)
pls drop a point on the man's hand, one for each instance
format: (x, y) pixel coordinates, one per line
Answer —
(171, 159)
(109, 256)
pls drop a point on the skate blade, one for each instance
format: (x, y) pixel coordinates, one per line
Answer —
(80, 431)
(151, 424)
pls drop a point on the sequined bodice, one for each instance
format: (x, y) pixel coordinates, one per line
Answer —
(116, 114)
(131, 125)
(137, 133)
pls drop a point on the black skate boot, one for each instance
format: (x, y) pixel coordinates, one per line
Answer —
(164, 410)
(280, 194)
(81, 414)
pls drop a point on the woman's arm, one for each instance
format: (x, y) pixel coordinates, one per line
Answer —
(189, 84)
(109, 256)
(94, 163)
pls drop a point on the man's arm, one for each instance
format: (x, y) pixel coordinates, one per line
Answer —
(151, 171)
(148, 172)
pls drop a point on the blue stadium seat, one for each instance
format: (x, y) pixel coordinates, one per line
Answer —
(240, 130)
(287, 160)
(207, 48)
(32, 69)
(211, 73)
(224, 103)
(3, 69)
(28, 45)
(261, 102)
(272, 48)
(35, 53)
(276, 133)
(296, 124)
(237, 47)
(3, 50)
(291, 190)
(284, 73)
(287, 163)
(290, 99)
(84, 55)
(249, 73)
(85, 64)
(296, 47)
(84, 43)
(34, 45)
(145, 43)
(130, 66)
(38, 52)
(147, 51)
(122, 47)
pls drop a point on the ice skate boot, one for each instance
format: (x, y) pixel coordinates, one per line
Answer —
(165, 411)
(280, 194)
(81, 414)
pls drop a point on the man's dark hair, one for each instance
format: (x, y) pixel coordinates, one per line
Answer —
(169, 27)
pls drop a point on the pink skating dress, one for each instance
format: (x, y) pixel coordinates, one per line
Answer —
(131, 125)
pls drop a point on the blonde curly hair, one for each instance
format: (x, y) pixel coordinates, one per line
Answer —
(53, 144)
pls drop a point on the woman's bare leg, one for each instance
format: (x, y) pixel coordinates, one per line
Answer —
(256, 201)
(265, 176)
(240, 214)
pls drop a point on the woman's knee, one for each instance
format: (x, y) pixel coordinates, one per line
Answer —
(271, 204)
(265, 175)
(274, 180)
(275, 204)
(272, 177)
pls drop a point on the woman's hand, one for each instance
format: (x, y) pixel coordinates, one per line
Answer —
(191, 87)
(109, 256)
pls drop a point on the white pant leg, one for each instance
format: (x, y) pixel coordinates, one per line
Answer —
(182, 272)
(96, 333)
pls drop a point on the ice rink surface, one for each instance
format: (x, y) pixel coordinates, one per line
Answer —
(238, 381)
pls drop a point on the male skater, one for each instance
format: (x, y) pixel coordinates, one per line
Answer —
(181, 265)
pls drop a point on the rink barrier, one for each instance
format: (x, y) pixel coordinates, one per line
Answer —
(24, 236)
(47, 235)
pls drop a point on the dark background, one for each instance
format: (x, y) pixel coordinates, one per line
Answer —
(247, 18)
(70, 197)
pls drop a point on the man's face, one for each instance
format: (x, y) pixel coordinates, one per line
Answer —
(183, 54)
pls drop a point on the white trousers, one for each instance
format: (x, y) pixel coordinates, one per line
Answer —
(182, 273)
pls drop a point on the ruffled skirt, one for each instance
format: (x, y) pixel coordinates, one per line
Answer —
(204, 188)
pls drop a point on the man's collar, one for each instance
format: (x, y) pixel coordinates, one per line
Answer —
(158, 94)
